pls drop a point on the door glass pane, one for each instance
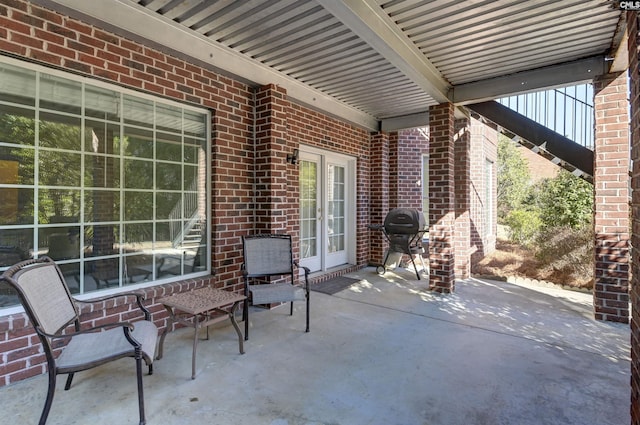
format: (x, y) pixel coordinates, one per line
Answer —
(309, 206)
(335, 211)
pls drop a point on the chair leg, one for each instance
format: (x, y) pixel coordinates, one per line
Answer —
(49, 400)
(291, 311)
(245, 318)
(307, 330)
(69, 379)
(138, 358)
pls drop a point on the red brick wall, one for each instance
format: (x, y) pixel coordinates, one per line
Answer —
(611, 188)
(52, 39)
(406, 148)
(634, 68)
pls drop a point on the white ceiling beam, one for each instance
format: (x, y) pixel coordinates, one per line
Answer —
(404, 122)
(369, 22)
(575, 72)
(142, 23)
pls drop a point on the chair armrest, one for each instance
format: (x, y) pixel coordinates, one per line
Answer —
(306, 272)
(128, 325)
(139, 299)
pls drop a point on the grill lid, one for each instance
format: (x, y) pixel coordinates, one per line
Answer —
(404, 221)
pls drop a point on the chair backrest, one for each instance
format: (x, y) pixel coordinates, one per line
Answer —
(267, 255)
(44, 293)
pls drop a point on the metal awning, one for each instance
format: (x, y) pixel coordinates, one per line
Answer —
(379, 61)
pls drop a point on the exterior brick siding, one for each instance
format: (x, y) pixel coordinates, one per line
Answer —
(253, 188)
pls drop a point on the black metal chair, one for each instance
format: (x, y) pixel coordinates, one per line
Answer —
(52, 310)
(267, 256)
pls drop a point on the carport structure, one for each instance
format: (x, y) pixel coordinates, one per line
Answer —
(381, 66)
(391, 65)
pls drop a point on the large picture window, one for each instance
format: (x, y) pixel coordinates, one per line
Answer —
(110, 183)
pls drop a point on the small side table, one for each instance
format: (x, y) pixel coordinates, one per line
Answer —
(195, 309)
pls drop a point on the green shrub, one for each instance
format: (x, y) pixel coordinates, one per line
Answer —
(524, 226)
(565, 200)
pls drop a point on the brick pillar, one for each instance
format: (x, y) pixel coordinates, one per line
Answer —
(611, 187)
(270, 159)
(379, 193)
(634, 69)
(462, 181)
(441, 198)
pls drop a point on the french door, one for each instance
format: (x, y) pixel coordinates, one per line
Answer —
(327, 209)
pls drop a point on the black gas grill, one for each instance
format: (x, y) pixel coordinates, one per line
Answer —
(404, 229)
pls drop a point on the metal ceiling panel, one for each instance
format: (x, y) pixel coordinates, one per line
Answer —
(384, 57)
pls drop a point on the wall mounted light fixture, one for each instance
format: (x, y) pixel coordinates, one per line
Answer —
(292, 158)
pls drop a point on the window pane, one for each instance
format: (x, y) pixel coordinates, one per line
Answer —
(59, 131)
(15, 245)
(17, 85)
(101, 137)
(102, 103)
(71, 274)
(139, 268)
(164, 232)
(17, 125)
(138, 174)
(195, 124)
(60, 243)
(169, 147)
(138, 237)
(102, 274)
(60, 94)
(101, 205)
(193, 151)
(168, 118)
(167, 205)
(59, 168)
(168, 176)
(58, 206)
(16, 206)
(16, 165)
(138, 142)
(101, 171)
(190, 177)
(138, 111)
(173, 262)
(138, 206)
(101, 240)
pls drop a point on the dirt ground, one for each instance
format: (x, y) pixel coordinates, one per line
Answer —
(510, 259)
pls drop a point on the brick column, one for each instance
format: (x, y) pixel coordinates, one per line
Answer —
(379, 193)
(634, 69)
(462, 182)
(611, 187)
(441, 198)
(270, 160)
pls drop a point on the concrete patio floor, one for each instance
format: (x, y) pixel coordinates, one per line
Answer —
(384, 352)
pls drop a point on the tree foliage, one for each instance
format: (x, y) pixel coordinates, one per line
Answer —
(565, 200)
(513, 178)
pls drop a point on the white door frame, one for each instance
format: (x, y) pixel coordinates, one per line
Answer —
(325, 158)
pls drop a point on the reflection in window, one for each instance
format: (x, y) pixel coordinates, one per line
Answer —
(110, 184)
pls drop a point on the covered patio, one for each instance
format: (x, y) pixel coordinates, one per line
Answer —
(384, 351)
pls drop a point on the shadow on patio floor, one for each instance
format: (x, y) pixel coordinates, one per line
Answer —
(384, 351)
